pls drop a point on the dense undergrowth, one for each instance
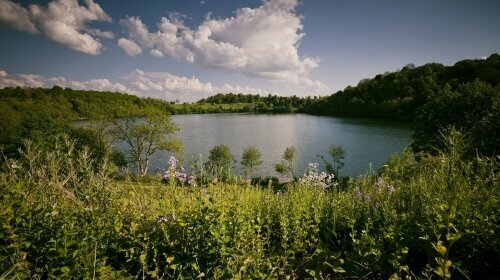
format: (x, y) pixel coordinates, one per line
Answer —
(63, 216)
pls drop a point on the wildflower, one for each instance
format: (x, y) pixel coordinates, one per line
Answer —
(177, 172)
(181, 176)
(362, 196)
(162, 220)
(312, 176)
(172, 162)
(383, 186)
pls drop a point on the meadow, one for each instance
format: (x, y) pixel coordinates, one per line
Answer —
(65, 215)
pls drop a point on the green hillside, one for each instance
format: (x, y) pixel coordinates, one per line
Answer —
(400, 94)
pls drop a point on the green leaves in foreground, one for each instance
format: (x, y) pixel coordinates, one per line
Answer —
(432, 218)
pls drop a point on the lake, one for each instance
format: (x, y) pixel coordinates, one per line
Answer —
(365, 141)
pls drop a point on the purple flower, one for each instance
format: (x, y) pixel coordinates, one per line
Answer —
(181, 176)
(362, 196)
(381, 186)
(172, 162)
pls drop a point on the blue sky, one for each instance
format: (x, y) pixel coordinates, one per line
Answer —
(190, 49)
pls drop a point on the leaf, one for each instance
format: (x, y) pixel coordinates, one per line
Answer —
(142, 258)
(65, 269)
(311, 272)
(440, 248)
(339, 269)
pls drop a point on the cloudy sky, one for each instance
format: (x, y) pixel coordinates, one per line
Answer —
(189, 49)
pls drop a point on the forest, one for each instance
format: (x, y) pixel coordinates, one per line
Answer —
(402, 93)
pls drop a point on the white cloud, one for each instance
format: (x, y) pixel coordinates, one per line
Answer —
(260, 42)
(63, 21)
(129, 46)
(161, 85)
(156, 53)
(100, 85)
(167, 86)
(16, 16)
(29, 80)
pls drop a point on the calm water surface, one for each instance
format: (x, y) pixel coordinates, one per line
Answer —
(365, 141)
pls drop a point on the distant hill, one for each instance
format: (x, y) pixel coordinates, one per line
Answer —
(400, 94)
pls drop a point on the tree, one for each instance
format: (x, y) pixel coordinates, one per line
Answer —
(471, 109)
(147, 136)
(219, 162)
(338, 154)
(285, 166)
(250, 159)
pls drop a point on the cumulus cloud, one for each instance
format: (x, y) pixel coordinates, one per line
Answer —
(129, 46)
(63, 21)
(257, 42)
(30, 80)
(168, 86)
(16, 16)
(161, 85)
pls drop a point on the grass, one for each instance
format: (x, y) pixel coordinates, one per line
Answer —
(63, 217)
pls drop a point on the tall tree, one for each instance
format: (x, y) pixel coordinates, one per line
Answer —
(146, 136)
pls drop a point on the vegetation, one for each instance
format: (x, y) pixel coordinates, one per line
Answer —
(285, 166)
(402, 93)
(250, 159)
(34, 113)
(433, 218)
(473, 108)
(146, 136)
(337, 153)
(261, 104)
(220, 161)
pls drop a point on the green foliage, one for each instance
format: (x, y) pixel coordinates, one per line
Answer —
(436, 217)
(147, 136)
(474, 109)
(402, 93)
(337, 153)
(285, 166)
(219, 162)
(250, 159)
(249, 103)
(35, 113)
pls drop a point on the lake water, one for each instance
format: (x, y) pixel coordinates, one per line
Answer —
(364, 141)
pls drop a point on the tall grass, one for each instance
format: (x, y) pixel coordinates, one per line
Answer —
(62, 217)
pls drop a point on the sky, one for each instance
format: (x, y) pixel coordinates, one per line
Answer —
(189, 49)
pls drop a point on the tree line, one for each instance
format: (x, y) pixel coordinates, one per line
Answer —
(400, 94)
